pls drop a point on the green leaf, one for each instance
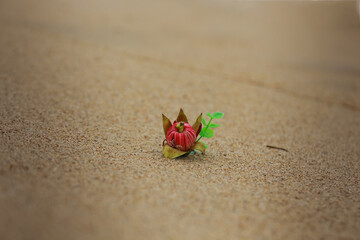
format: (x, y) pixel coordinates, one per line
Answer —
(208, 133)
(218, 114)
(208, 114)
(204, 145)
(203, 121)
(214, 125)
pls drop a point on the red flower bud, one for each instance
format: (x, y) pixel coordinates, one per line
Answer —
(181, 136)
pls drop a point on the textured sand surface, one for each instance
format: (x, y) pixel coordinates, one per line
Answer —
(82, 88)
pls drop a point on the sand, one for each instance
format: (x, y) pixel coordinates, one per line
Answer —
(83, 85)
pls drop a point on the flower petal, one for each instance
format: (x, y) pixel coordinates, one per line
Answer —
(199, 146)
(166, 124)
(172, 153)
(197, 123)
(182, 117)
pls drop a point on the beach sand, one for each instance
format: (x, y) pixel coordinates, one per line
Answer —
(83, 85)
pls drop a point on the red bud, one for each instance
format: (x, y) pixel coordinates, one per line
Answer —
(181, 136)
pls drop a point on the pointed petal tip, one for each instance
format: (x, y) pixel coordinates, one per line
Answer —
(166, 124)
(182, 116)
(197, 123)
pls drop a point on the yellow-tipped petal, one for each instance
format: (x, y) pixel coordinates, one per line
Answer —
(197, 123)
(166, 124)
(182, 117)
(172, 153)
(199, 146)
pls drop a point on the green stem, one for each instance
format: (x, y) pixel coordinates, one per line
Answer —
(180, 127)
(207, 126)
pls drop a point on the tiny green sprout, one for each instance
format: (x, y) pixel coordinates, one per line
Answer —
(207, 130)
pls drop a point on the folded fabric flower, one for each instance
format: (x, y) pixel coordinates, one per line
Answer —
(181, 136)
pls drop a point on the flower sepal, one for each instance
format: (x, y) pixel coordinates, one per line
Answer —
(170, 152)
(199, 146)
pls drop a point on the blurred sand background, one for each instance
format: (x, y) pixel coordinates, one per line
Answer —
(82, 88)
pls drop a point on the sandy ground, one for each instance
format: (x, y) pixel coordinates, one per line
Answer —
(83, 86)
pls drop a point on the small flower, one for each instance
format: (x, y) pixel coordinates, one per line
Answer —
(181, 136)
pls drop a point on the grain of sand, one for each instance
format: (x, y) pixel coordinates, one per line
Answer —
(83, 86)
